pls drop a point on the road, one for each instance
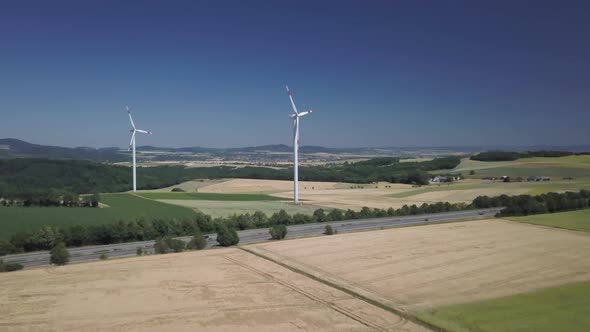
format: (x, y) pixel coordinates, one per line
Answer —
(92, 253)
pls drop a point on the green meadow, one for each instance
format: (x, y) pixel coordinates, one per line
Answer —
(573, 220)
(120, 207)
(577, 167)
(563, 308)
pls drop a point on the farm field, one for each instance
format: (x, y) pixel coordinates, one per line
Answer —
(573, 220)
(563, 308)
(211, 197)
(188, 186)
(420, 268)
(261, 186)
(212, 290)
(222, 208)
(577, 167)
(120, 207)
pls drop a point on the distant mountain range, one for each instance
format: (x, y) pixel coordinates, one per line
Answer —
(14, 148)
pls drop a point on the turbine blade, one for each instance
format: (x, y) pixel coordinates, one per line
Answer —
(131, 141)
(130, 118)
(143, 131)
(291, 98)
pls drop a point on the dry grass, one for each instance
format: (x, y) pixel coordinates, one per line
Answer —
(424, 267)
(381, 195)
(255, 186)
(213, 290)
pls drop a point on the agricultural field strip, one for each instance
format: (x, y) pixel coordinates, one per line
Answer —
(210, 196)
(562, 308)
(572, 220)
(489, 266)
(192, 289)
(121, 207)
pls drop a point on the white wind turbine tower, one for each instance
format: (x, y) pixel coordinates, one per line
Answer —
(296, 115)
(134, 130)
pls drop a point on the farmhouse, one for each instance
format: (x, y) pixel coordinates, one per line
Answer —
(443, 179)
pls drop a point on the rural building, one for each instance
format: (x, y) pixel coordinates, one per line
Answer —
(443, 179)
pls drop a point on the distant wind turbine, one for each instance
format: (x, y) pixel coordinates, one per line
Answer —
(296, 115)
(132, 145)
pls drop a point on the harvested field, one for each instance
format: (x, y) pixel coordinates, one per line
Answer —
(213, 290)
(188, 186)
(423, 267)
(227, 208)
(254, 186)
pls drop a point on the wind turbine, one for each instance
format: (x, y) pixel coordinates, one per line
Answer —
(296, 115)
(134, 130)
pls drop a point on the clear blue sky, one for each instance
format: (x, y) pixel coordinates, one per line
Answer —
(376, 73)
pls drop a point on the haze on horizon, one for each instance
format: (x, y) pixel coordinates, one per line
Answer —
(212, 74)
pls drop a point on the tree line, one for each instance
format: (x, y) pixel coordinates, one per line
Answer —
(510, 156)
(36, 180)
(53, 197)
(48, 237)
(164, 231)
(522, 205)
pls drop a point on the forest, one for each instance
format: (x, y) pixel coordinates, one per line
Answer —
(510, 156)
(37, 179)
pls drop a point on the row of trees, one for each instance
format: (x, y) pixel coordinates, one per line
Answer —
(47, 237)
(36, 180)
(53, 197)
(509, 155)
(9, 266)
(523, 205)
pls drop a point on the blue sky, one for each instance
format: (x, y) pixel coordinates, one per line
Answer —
(376, 73)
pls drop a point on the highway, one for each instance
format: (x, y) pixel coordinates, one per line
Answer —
(92, 253)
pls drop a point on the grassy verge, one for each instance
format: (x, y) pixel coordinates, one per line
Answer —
(563, 308)
(573, 220)
(212, 197)
(121, 207)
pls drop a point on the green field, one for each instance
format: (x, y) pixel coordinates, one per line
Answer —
(511, 188)
(564, 308)
(212, 197)
(577, 167)
(573, 220)
(228, 208)
(121, 207)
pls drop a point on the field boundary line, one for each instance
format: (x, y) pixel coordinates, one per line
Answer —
(310, 296)
(552, 227)
(394, 310)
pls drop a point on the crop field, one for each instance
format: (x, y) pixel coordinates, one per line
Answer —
(577, 167)
(188, 186)
(573, 220)
(421, 268)
(211, 290)
(262, 186)
(211, 197)
(380, 195)
(227, 208)
(120, 207)
(563, 308)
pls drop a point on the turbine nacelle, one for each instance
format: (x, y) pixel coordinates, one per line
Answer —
(298, 115)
